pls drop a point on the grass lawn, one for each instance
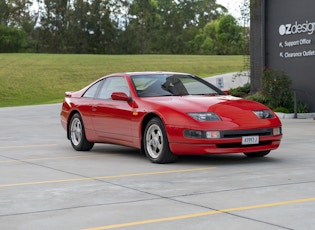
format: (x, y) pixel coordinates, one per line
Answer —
(28, 79)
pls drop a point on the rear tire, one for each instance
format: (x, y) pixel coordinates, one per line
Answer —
(257, 154)
(77, 134)
(155, 143)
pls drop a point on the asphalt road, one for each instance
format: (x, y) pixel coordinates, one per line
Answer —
(45, 184)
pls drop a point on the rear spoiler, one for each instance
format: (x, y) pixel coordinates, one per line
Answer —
(68, 94)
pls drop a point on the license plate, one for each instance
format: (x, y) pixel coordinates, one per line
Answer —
(250, 140)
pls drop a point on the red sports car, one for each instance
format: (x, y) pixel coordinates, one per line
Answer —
(167, 114)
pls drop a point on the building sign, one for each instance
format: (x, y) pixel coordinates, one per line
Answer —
(290, 44)
(305, 29)
(220, 82)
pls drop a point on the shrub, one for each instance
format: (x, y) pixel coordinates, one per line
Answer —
(276, 87)
(281, 110)
(276, 93)
(241, 91)
(302, 107)
(259, 97)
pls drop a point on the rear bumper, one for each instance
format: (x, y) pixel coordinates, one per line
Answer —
(63, 120)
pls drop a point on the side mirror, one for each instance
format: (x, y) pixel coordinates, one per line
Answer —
(120, 96)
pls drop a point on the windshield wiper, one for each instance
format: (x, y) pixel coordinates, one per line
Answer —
(206, 94)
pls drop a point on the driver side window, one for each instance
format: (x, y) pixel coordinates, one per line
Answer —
(113, 84)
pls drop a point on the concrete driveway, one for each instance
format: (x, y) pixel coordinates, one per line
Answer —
(45, 184)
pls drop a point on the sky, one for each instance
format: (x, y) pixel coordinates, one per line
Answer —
(233, 6)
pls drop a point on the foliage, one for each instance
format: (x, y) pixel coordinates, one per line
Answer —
(281, 110)
(259, 97)
(124, 26)
(229, 36)
(276, 88)
(277, 93)
(221, 36)
(241, 91)
(11, 39)
(302, 107)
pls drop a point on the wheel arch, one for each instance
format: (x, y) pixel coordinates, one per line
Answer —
(69, 119)
(156, 150)
(145, 121)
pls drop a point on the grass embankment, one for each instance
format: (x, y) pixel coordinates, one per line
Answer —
(28, 79)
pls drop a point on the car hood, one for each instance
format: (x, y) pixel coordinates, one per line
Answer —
(235, 112)
(197, 103)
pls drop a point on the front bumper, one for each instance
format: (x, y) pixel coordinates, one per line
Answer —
(223, 147)
(229, 142)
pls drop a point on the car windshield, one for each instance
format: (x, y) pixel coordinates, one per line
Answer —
(155, 85)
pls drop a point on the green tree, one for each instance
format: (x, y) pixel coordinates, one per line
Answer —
(222, 36)
(17, 14)
(122, 26)
(209, 46)
(230, 36)
(182, 21)
(4, 12)
(143, 24)
(78, 34)
(54, 24)
(208, 11)
(163, 26)
(12, 40)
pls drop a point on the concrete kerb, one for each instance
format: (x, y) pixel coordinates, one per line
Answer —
(299, 115)
(233, 80)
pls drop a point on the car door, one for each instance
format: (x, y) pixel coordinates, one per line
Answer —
(85, 106)
(112, 118)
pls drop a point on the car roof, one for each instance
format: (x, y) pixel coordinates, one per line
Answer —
(148, 73)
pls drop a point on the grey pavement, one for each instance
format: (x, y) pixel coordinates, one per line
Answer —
(45, 184)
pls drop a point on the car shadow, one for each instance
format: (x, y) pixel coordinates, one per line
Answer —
(226, 159)
(109, 149)
(200, 160)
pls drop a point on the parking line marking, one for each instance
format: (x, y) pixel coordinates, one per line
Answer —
(56, 158)
(107, 177)
(5, 138)
(201, 214)
(26, 146)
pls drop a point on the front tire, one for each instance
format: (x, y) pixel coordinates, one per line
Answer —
(155, 143)
(77, 134)
(257, 154)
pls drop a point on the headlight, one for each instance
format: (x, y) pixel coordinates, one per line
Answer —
(209, 116)
(263, 114)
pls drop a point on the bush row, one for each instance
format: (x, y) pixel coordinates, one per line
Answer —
(276, 92)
